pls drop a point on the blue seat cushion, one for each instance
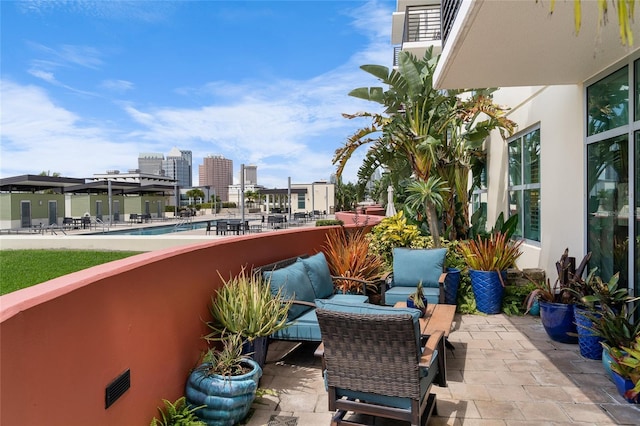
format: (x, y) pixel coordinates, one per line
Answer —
(294, 284)
(319, 275)
(305, 327)
(410, 266)
(400, 294)
(348, 298)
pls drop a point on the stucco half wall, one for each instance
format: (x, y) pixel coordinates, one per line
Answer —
(62, 342)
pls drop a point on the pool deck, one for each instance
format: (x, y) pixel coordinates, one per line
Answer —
(92, 238)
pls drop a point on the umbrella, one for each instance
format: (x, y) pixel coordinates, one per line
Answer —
(391, 209)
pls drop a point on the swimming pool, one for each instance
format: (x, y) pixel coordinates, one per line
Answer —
(156, 230)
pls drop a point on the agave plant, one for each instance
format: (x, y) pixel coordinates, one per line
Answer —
(245, 305)
(348, 255)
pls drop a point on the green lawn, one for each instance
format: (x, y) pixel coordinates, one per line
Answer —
(24, 268)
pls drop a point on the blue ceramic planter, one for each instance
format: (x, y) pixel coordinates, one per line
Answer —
(488, 290)
(256, 349)
(451, 284)
(590, 346)
(623, 385)
(227, 400)
(558, 321)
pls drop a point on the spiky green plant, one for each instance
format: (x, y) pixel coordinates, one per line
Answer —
(178, 413)
(226, 361)
(495, 253)
(246, 306)
(348, 256)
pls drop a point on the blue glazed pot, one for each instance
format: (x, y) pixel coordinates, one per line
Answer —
(590, 346)
(257, 349)
(606, 363)
(488, 290)
(623, 385)
(557, 319)
(451, 284)
(227, 400)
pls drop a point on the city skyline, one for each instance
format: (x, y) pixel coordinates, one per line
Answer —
(257, 82)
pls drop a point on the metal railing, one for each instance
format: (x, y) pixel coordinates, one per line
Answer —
(422, 23)
(449, 12)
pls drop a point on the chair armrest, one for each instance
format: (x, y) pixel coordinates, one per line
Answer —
(443, 276)
(301, 302)
(430, 347)
(358, 280)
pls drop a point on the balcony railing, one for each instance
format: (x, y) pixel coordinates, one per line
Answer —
(449, 12)
(422, 23)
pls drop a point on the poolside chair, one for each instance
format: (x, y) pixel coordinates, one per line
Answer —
(221, 227)
(374, 365)
(208, 230)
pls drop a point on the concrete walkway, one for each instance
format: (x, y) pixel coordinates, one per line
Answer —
(503, 371)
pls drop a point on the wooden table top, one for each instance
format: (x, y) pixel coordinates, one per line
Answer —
(437, 317)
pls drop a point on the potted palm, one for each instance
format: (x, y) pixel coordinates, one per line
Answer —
(245, 305)
(224, 384)
(488, 259)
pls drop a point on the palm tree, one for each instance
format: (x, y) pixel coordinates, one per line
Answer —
(428, 194)
(438, 132)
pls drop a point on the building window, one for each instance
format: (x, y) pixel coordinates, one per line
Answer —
(301, 205)
(612, 158)
(524, 183)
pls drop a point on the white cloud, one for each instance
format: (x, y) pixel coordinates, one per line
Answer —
(286, 128)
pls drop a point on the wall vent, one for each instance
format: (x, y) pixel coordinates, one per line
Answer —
(116, 388)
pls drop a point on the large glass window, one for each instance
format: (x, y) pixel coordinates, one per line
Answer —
(613, 185)
(524, 183)
(608, 103)
(608, 219)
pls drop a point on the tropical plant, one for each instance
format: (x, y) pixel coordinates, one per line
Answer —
(495, 253)
(600, 294)
(617, 328)
(514, 301)
(348, 255)
(245, 305)
(625, 10)
(418, 297)
(428, 195)
(434, 132)
(178, 413)
(227, 361)
(568, 286)
(626, 362)
(393, 232)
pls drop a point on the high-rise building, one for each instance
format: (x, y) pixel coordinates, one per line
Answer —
(151, 163)
(251, 175)
(216, 172)
(178, 166)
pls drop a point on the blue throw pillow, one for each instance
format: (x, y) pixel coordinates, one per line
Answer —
(410, 266)
(295, 284)
(319, 274)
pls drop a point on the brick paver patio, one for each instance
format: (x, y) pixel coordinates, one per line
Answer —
(503, 371)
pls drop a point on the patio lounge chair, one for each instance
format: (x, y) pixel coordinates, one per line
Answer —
(374, 365)
(411, 266)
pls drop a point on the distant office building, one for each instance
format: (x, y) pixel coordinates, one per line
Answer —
(178, 165)
(151, 163)
(216, 172)
(250, 175)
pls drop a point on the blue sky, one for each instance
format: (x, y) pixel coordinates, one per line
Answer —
(88, 85)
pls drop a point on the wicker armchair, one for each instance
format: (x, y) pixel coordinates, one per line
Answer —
(374, 366)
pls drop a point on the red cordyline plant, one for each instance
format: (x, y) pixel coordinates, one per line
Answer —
(348, 256)
(493, 253)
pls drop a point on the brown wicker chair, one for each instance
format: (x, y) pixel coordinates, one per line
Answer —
(374, 366)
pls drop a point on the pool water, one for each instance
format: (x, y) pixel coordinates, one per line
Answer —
(156, 230)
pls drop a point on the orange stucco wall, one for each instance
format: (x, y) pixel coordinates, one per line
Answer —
(62, 342)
